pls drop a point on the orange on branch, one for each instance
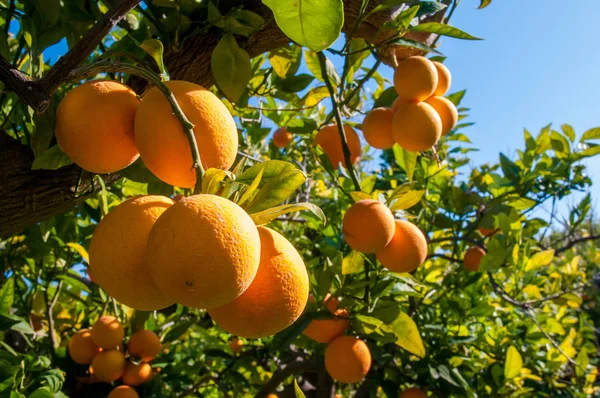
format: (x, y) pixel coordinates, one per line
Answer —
(135, 375)
(163, 144)
(109, 365)
(444, 79)
(144, 344)
(108, 333)
(416, 126)
(123, 392)
(415, 79)
(486, 232)
(118, 253)
(413, 393)
(447, 112)
(94, 126)
(82, 348)
(377, 128)
(347, 359)
(276, 297)
(325, 330)
(406, 251)
(368, 226)
(473, 257)
(204, 251)
(282, 137)
(328, 138)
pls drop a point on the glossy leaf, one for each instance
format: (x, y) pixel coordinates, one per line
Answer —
(513, 363)
(443, 30)
(266, 216)
(51, 159)
(272, 168)
(407, 334)
(276, 190)
(230, 66)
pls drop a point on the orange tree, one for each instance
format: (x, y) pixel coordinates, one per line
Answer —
(489, 295)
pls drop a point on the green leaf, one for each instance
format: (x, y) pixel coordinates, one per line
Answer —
(286, 60)
(252, 188)
(69, 280)
(406, 160)
(212, 179)
(386, 5)
(513, 364)
(353, 263)
(230, 66)
(591, 134)
(540, 259)
(589, 152)
(266, 216)
(484, 3)
(456, 97)
(402, 42)
(295, 83)
(14, 322)
(52, 159)
(138, 320)
(43, 392)
(522, 203)
(407, 200)
(314, 96)
(178, 330)
(315, 24)
(4, 48)
(386, 98)
(298, 390)
(568, 130)
(430, 7)
(583, 360)
(43, 133)
(403, 20)
(7, 295)
(156, 50)
(407, 334)
(272, 168)
(510, 170)
(277, 190)
(443, 30)
(103, 193)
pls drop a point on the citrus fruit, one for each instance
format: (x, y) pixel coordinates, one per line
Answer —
(415, 79)
(328, 138)
(416, 127)
(107, 332)
(94, 126)
(347, 359)
(447, 112)
(135, 375)
(236, 345)
(276, 297)
(163, 144)
(368, 226)
(282, 137)
(407, 249)
(444, 79)
(204, 251)
(487, 231)
(413, 393)
(473, 257)
(144, 344)
(118, 253)
(398, 102)
(109, 365)
(377, 128)
(81, 347)
(123, 392)
(325, 330)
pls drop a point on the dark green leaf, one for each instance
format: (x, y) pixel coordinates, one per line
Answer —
(510, 170)
(386, 98)
(294, 83)
(230, 66)
(7, 295)
(430, 7)
(386, 5)
(457, 97)
(52, 159)
(402, 42)
(443, 30)
(276, 190)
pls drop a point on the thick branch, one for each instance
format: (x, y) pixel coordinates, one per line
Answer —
(576, 242)
(28, 90)
(278, 378)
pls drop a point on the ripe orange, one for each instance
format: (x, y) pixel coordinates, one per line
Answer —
(447, 112)
(94, 126)
(368, 226)
(118, 253)
(413, 393)
(144, 344)
(282, 137)
(473, 257)
(444, 79)
(123, 392)
(407, 249)
(163, 144)
(276, 297)
(81, 347)
(325, 330)
(377, 128)
(415, 79)
(135, 375)
(398, 102)
(236, 345)
(108, 332)
(328, 138)
(204, 251)
(416, 127)
(272, 396)
(109, 365)
(347, 359)
(487, 231)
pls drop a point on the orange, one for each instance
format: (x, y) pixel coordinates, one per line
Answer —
(487, 231)
(236, 345)
(118, 253)
(444, 79)
(135, 375)
(109, 365)
(447, 112)
(94, 126)
(204, 251)
(282, 137)
(416, 127)
(276, 297)
(123, 392)
(347, 359)
(144, 344)
(415, 79)
(377, 128)
(108, 332)
(407, 249)
(473, 257)
(398, 102)
(81, 347)
(413, 393)
(368, 226)
(325, 330)
(163, 144)
(272, 396)
(328, 138)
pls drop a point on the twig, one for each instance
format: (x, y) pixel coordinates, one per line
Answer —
(50, 307)
(292, 368)
(455, 239)
(437, 255)
(500, 292)
(250, 157)
(196, 385)
(531, 314)
(556, 295)
(575, 242)
(357, 22)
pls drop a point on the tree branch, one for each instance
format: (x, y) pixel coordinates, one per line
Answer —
(30, 91)
(575, 242)
(50, 306)
(291, 369)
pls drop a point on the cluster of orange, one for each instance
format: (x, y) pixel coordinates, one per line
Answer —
(369, 227)
(202, 251)
(103, 127)
(101, 347)
(420, 115)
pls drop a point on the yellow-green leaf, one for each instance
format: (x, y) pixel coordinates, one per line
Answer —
(314, 96)
(352, 263)
(407, 200)
(357, 195)
(407, 334)
(513, 364)
(156, 50)
(540, 259)
(272, 168)
(277, 190)
(81, 250)
(298, 391)
(266, 216)
(212, 179)
(252, 188)
(230, 66)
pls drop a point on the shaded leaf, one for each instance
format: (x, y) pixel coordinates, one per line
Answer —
(52, 159)
(230, 66)
(7, 295)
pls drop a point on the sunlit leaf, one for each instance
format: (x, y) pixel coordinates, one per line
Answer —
(443, 30)
(266, 216)
(156, 50)
(352, 263)
(540, 259)
(81, 250)
(513, 363)
(272, 168)
(230, 66)
(7, 295)
(407, 334)
(276, 190)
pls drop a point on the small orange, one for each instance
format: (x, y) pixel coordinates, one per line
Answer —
(487, 231)
(398, 102)
(236, 345)
(416, 127)
(325, 330)
(123, 392)
(144, 344)
(108, 332)
(406, 251)
(347, 359)
(413, 393)
(447, 112)
(473, 257)
(282, 137)
(415, 79)
(377, 128)
(272, 396)
(328, 138)
(444, 79)
(368, 226)
(81, 347)
(109, 365)
(135, 375)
